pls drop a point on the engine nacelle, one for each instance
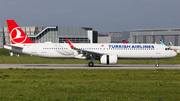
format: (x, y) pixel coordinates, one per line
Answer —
(108, 59)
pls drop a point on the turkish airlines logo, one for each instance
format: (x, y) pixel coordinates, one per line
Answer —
(16, 35)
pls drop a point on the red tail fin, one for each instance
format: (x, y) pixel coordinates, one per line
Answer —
(16, 33)
(124, 41)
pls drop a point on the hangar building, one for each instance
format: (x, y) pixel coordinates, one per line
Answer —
(154, 35)
(58, 34)
(113, 37)
(1, 37)
(55, 34)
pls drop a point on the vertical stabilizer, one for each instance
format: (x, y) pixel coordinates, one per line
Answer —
(17, 35)
(170, 44)
(161, 42)
(124, 41)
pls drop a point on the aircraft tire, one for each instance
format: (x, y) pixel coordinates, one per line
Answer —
(91, 64)
(157, 65)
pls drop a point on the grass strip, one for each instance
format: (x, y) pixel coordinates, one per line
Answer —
(89, 85)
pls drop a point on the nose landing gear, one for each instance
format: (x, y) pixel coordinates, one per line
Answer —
(157, 64)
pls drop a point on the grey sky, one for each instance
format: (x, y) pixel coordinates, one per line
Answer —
(101, 15)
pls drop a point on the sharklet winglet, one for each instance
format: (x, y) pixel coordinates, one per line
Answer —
(70, 44)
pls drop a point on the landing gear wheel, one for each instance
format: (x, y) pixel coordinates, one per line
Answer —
(91, 64)
(157, 65)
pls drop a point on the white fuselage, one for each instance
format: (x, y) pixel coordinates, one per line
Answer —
(123, 51)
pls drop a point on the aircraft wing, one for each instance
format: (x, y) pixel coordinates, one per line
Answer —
(83, 51)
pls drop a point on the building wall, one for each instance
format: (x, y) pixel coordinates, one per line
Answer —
(104, 39)
(95, 37)
(90, 36)
(49, 36)
(1, 38)
(178, 41)
(6, 36)
(55, 34)
(75, 34)
(154, 35)
(113, 37)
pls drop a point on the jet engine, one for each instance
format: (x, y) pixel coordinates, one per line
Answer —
(108, 59)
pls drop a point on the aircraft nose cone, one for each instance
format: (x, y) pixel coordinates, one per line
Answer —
(173, 54)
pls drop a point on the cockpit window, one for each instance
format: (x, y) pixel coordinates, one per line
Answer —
(168, 49)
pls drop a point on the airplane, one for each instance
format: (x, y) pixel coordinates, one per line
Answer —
(170, 45)
(161, 42)
(106, 53)
(173, 47)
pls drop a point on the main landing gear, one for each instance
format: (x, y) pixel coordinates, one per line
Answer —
(157, 64)
(91, 64)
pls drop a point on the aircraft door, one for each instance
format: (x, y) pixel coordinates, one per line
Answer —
(158, 51)
(33, 49)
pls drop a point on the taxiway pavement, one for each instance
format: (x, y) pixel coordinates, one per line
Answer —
(85, 66)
